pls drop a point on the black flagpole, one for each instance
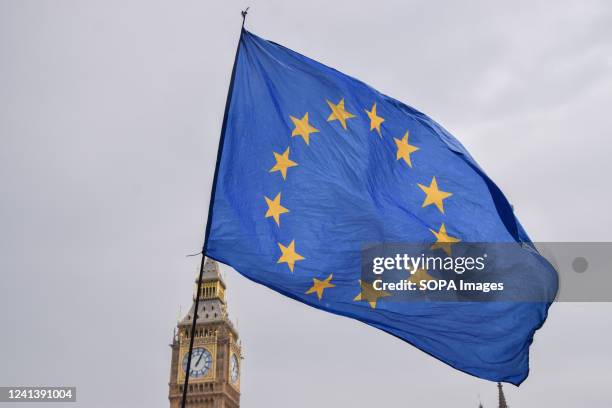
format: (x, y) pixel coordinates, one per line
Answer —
(197, 299)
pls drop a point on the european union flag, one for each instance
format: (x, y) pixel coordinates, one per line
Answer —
(314, 166)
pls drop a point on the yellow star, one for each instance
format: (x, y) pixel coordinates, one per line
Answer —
(434, 196)
(375, 120)
(275, 209)
(302, 128)
(369, 294)
(419, 275)
(289, 256)
(283, 163)
(404, 149)
(319, 286)
(339, 113)
(443, 240)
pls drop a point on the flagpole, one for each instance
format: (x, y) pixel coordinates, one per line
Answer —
(208, 223)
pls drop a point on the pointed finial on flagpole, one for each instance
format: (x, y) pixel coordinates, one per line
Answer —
(244, 14)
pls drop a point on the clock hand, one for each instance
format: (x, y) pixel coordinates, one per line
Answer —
(198, 362)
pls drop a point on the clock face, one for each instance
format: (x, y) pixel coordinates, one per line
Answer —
(201, 361)
(234, 369)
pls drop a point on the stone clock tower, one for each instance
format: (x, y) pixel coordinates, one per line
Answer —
(214, 380)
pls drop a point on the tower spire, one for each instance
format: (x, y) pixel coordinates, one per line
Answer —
(206, 351)
(502, 398)
(210, 299)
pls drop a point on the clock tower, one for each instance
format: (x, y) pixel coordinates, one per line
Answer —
(214, 378)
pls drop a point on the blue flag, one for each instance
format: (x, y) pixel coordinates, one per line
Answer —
(314, 166)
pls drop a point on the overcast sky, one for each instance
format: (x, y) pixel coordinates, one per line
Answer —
(110, 113)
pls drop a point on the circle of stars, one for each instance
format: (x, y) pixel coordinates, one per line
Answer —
(303, 128)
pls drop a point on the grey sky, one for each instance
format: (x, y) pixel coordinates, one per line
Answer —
(110, 114)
